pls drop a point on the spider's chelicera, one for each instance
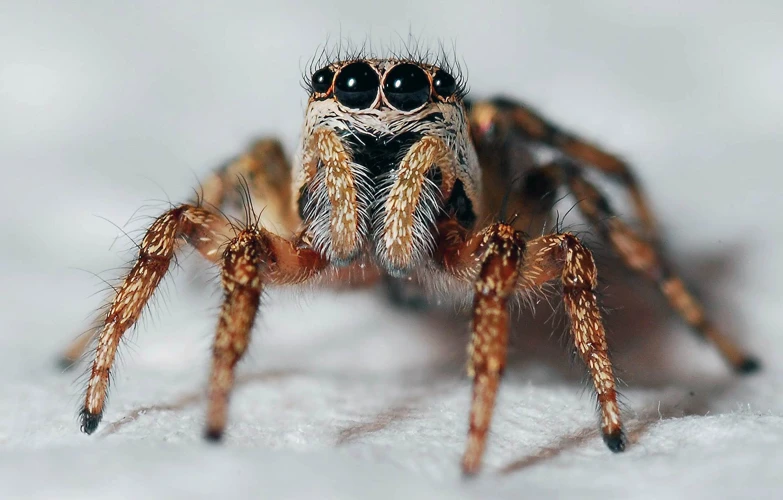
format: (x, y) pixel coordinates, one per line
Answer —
(398, 179)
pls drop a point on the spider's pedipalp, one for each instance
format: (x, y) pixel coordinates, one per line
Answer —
(386, 187)
(409, 212)
(338, 200)
(370, 143)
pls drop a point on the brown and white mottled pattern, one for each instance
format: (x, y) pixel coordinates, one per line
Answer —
(563, 257)
(399, 243)
(644, 257)
(511, 266)
(503, 118)
(496, 282)
(244, 262)
(326, 151)
(376, 195)
(200, 228)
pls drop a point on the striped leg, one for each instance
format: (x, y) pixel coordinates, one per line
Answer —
(495, 120)
(642, 257)
(508, 266)
(200, 228)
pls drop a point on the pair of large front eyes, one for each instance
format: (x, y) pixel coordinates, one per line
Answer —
(406, 86)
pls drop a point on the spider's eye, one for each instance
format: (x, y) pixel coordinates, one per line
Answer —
(322, 80)
(406, 87)
(356, 85)
(445, 84)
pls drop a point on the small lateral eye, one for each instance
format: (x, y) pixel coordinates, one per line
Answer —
(406, 87)
(356, 85)
(445, 84)
(322, 80)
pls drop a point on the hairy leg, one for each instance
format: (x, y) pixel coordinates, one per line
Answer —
(496, 282)
(252, 259)
(251, 255)
(508, 265)
(242, 284)
(645, 259)
(563, 257)
(499, 120)
(267, 174)
(202, 229)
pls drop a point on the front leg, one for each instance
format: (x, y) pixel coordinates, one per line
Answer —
(274, 259)
(508, 265)
(252, 259)
(264, 170)
(205, 231)
(497, 279)
(563, 257)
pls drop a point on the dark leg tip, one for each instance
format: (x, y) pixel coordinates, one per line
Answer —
(749, 365)
(213, 435)
(469, 475)
(89, 421)
(616, 441)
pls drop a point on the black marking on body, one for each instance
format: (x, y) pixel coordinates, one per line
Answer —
(460, 207)
(380, 155)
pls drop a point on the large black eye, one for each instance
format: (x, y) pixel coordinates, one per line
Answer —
(322, 80)
(445, 84)
(356, 85)
(406, 87)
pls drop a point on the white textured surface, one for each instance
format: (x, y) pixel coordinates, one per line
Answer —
(105, 108)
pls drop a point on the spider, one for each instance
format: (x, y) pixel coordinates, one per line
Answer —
(398, 179)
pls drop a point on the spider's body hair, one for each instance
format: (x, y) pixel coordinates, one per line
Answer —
(376, 141)
(386, 186)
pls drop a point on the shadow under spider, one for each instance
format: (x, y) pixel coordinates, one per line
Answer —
(192, 398)
(396, 413)
(534, 343)
(635, 430)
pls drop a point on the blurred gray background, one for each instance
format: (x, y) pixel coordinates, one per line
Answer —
(108, 106)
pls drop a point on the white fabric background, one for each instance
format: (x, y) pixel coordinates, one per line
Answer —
(106, 107)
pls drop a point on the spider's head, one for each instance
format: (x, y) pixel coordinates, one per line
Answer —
(385, 153)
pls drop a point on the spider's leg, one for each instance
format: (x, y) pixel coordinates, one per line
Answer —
(496, 121)
(563, 257)
(268, 176)
(203, 230)
(497, 279)
(252, 259)
(510, 266)
(643, 257)
(267, 173)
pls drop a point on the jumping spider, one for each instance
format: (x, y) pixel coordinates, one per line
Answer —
(399, 179)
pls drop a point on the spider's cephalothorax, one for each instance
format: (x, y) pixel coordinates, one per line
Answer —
(384, 151)
(396, 176)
